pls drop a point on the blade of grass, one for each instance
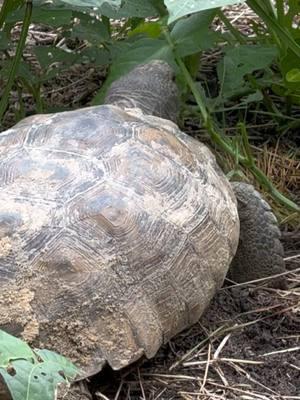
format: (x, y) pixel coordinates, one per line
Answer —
(274, 25)
(17, 59)
(280, 11)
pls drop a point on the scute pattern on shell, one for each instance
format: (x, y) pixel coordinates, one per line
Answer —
(118, 226)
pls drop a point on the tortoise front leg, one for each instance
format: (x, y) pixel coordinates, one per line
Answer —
(260, 252)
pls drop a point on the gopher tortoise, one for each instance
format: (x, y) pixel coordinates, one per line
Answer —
(117, 229)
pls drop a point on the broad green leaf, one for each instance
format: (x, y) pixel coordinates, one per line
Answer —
(293, 75)
(51, 17)
(68, 367)
(135, 51)
(90, 29)
(44, 15)
(252, 98)
(12, 348)
(115, 9)
(25, 376)
(29, 381)
(49, 55)
(240, 61)
(180, 8)
(129, 9)
(151, 29)
(192, 34)
(92, 3)
(95, 55)
(289, 65)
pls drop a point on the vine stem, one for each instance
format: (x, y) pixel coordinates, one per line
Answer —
(17, 58)
(223, 142)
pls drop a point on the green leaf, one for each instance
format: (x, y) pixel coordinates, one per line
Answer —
(29, 381)
(91, 3)
(135, 51)
(180, 8)
(289, 65)
(240, 61)
(51, 16)
(89, 28)
(129, 9)
(25, 376)
(151, 29)
(70, 370)
(95, 56)
(293, 75)
(12, 348)
(192, 34)
(252, 98)
(49, 55)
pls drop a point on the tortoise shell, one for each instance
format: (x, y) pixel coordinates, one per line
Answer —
(116, 229)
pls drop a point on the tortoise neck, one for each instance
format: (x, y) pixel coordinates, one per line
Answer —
(150, 87)
(166, 107)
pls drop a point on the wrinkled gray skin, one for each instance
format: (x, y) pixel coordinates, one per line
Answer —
(260, 252)
(151, 87)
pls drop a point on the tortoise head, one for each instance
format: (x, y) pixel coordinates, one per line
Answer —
(150, 87)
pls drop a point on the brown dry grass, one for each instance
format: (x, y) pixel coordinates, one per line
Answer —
(282, 167)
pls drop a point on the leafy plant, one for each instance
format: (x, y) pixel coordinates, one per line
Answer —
(282, 28)
(32, 374)
(179, 34)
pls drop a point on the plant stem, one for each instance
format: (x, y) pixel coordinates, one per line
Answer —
(238, 36)
(280, 11)
(21, 111)
(268, 6)
(17, 58)
(247, 148)
(38, 99)
(224, 143)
